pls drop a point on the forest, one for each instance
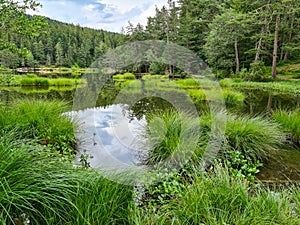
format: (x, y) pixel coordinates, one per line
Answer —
(136, 139)
(230, 35)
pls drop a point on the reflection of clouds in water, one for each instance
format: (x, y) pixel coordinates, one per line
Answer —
(109, 136)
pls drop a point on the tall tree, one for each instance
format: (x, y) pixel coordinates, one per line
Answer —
(13, 20)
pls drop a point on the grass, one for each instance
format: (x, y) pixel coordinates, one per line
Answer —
(246, 141)
(42, 121)
(221, 199)
(38, 81)
(231, 98)
(38, 185)
(46, 190)
(290, 121)
(125, 76)
(290, 87)
(218, 198)
(170, 136)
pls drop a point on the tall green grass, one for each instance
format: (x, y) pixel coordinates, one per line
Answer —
(216, 197)
(220, 199)
(46, 190)
(42, 121)
(246, 142)
(231, 98)
(36, 81)
(292, 87)
(125, 76)
(290, 121)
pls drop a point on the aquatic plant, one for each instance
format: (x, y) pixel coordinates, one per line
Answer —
(36, 188)
(290, 121)
(42, 121)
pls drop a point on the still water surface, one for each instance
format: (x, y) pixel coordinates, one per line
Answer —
(111, 132)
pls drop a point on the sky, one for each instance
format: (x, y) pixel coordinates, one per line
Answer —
(110, 15)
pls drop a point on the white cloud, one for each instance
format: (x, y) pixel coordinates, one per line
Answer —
(110, 15)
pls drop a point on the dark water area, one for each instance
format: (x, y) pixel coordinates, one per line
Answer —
(262, 102)
(109, 119)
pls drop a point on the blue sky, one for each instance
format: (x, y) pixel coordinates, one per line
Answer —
(109, 15)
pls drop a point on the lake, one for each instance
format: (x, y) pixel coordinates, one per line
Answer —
(111, 129)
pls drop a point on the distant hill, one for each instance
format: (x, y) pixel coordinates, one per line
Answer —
(62, 44)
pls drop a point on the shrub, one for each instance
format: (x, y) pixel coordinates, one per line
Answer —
(257, 72)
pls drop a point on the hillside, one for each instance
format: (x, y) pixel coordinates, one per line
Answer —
(61, 44)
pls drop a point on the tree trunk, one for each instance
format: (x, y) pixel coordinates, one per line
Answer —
(290, 38)
(275, 46)
(237, 60)
(259, 46)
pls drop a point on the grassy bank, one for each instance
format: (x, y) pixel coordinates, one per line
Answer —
(38, 181)
(41, 189)
(218, 198)
(38, 187)
(289, 87)
(34, 80)
(290, 121)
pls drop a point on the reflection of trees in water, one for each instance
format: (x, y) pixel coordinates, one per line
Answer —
(146, 106)
(14, 94)
(258, 101)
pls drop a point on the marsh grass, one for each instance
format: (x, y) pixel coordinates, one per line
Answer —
(170, 132)
(292, 87)
(49, 191)
(246, 143)
(231, 98)
(290, 121)
(124, 77)
(42, 121)
(218, 198)
(40, 81)
(215, 197)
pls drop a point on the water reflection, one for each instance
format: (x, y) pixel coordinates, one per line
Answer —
(110, 135)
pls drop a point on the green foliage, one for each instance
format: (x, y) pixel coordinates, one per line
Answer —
(157, 68)
(233, 98)
(290, 87)
(129, 76)
(7, 79)
(21, 24)
(41, 121)
(34, 81)
(257, 72)
(290, 121)
(188, 83)
(44, 190)
(125, 76)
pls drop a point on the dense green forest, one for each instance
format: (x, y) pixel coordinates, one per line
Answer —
(230, 35)
(60, 44)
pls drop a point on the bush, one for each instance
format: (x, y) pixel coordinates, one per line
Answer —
(257, 72)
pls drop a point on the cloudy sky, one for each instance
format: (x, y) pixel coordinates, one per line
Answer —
(109, 15)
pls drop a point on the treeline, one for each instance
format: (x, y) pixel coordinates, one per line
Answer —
(231, 35)
(59, 44)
